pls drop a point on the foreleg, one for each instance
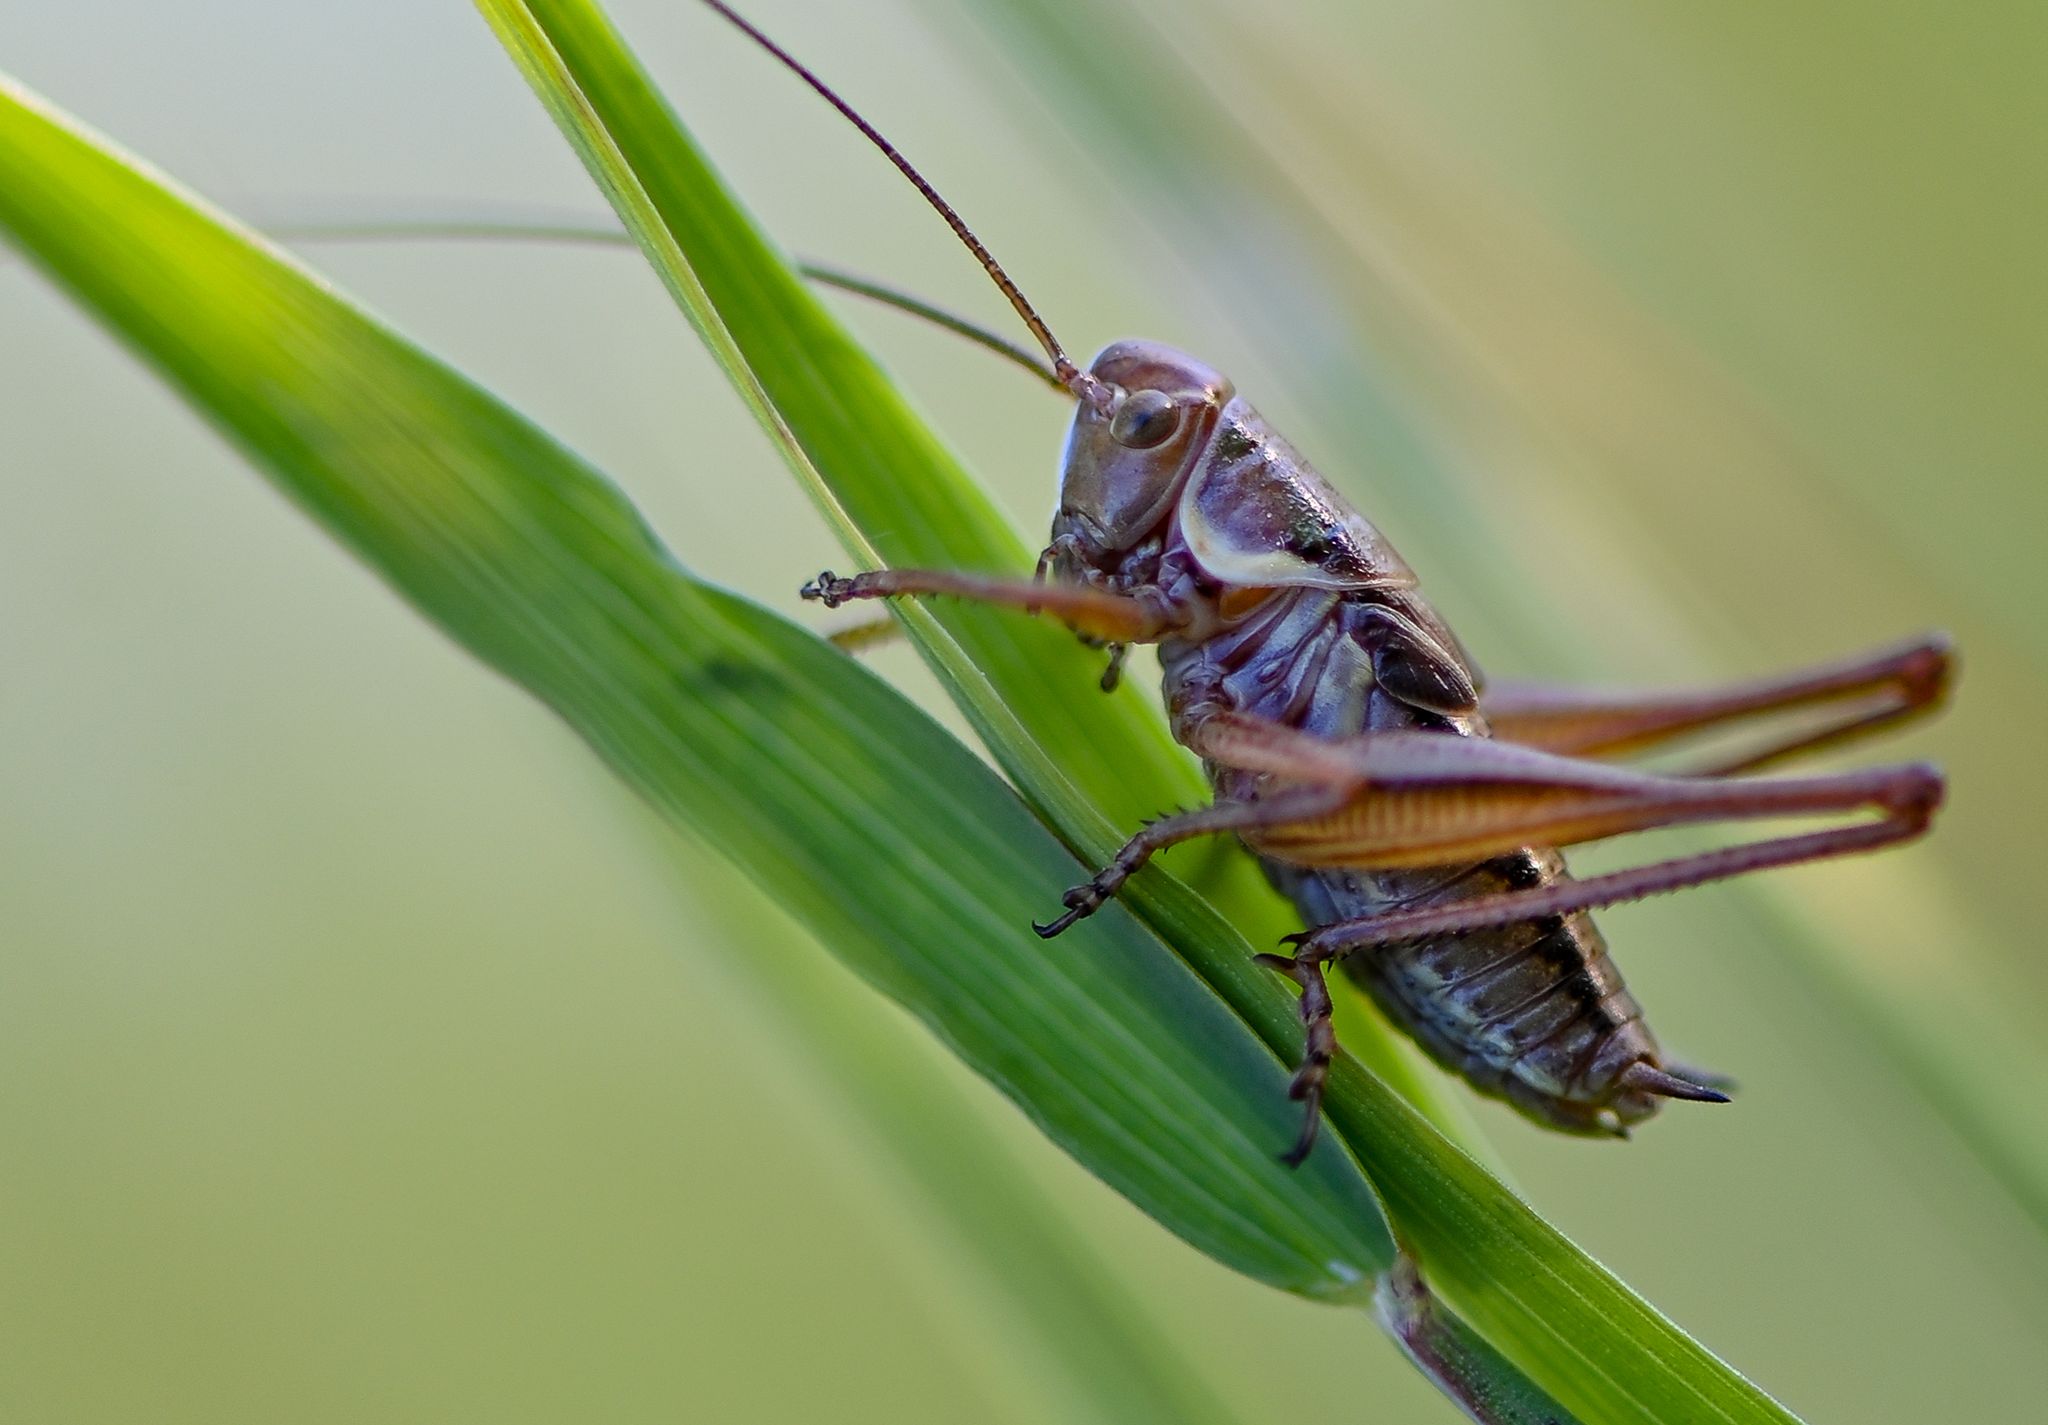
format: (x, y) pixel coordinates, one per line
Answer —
(1093, 613)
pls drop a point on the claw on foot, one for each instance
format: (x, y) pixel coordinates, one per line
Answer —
(1085, 899)
(1297, 1155)
(1318, 1048)
(1114, 673)
(1081, 902)
(827, 589)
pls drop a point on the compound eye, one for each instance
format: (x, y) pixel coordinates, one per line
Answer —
(1144, 419)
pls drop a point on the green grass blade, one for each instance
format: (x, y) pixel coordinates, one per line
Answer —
(1577, 1331)
(1095, 766)
(1071, 1328)
(880, 832)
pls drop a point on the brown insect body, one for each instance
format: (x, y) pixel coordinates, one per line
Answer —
(1343, 729)
(1335, 640)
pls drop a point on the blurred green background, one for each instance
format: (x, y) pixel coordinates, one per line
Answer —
(365, 1053)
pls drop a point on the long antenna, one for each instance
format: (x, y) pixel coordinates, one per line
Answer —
(526, 228)
(1084, 386)
(938, 316)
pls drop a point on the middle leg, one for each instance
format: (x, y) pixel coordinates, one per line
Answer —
(1287, 805)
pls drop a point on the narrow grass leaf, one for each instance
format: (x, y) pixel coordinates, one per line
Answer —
(1557, 1315)
(1095, 766)
(1086, 1344)
(895, 845)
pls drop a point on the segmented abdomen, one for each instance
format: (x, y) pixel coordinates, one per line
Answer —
(1534, 1013)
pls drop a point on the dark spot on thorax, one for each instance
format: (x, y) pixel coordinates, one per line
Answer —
(1312, 542)
(1235, 442)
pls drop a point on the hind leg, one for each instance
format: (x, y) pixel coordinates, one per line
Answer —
(1419, 799)
(1426, 799)
(1832, 703)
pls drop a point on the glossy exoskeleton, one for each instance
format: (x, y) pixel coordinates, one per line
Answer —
(1411, 813)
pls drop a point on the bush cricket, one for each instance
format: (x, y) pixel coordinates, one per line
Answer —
(1410, 811)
